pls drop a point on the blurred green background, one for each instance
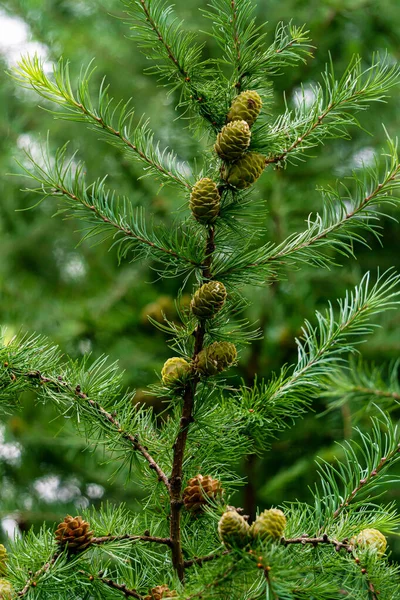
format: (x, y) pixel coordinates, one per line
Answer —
(85, 302)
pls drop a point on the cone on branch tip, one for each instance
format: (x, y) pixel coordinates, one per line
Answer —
(208, 300)
(371, 538)
(75, 533)
(233, 529)
(215, 358)
(6, 590)
(233, 141)
(3, 560)
(245, 107)
(160, 592)
(199, 490)
(270, 524)
(174, 371)
(243, 173)
(205, 201)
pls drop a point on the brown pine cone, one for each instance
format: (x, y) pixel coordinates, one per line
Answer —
(160, 592)
(74, 533)
(198, 490)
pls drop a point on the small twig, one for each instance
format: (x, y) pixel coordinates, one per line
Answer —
(143, 538)
(203, 559)
(32, 580)
(366, 480)
(121, 587)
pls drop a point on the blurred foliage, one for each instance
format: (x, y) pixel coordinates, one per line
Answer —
(83, 300)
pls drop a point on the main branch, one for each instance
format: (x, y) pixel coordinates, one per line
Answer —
(180, 442)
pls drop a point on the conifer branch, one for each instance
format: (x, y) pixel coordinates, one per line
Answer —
(121, 587)
(345, 218)
(359, 475)
(203, 559)
(102, 209)
(363, 382)
(330, 112)
(106, 539)
(116, 127)
(57, 387)
(31, 583)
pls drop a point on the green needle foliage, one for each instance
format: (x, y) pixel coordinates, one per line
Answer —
(188, 541)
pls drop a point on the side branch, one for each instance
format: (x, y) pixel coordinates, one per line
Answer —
(366, 480)
(199, 560)
(118, 586)
(60, 385)
(117, 538)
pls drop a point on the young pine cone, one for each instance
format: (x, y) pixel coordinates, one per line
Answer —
(3, 560)
(245, 107)
(233, 141)
(233, 529)
(174, 371)
(370, 538)
(270, 524)
(74, 533)
(205, 201)
(6, 590)
(215, 358)
(198, 490)
(243, 173)
(208, 300)
(160, 592)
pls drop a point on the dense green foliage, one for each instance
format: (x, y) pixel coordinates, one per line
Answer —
(81, 301)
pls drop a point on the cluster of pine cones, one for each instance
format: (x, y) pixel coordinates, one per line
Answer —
(206, 303)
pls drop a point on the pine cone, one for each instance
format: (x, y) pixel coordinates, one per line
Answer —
(74, 533)
(233, 140)
(208, 300)
(205, 201)
(243, 173)
(6, 590)
(215, 358)
(199, 489)
(245, 107)
(174, 371)
(160, 592)
(371, 538)
(3, 560)
(269, 524)
(233, 529)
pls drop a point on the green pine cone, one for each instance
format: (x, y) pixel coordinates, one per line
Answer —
(3, 560)
(205, 201)
(215, 358)
(233, 141)
(243, 173)
(174, 371)
(233, 530)
(245, 107)
(269, 524)
(208, 300)
(6, 590)
(371, 538)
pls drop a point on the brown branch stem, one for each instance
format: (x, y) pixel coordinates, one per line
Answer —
(60, 190)
(180, 442)
(62, 385)
(121, 587)
(32, 580)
